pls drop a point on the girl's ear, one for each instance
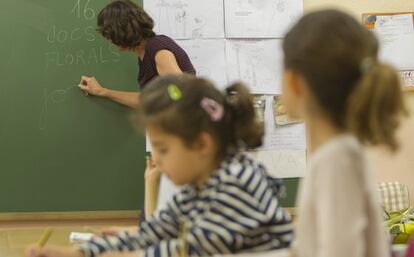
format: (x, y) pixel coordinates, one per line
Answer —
(293, 93)
(294, 82)
(204, 143)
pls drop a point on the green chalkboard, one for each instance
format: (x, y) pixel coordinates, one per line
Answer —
(292, 185)
(60, 150)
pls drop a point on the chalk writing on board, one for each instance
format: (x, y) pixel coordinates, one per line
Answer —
(93, 55)
(57, 35)
(49, 98)
(82, 10)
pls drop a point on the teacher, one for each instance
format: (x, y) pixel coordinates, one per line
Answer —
(130, 28)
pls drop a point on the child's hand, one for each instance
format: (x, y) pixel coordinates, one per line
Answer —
(152, 173)
(112, 231)
(118, 254)
(52, 251)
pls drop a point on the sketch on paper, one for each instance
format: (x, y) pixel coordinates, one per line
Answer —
(281, 116)
(396, 36)
(258, 63)
(187, 19)
(292, 136)
(407, 78)
(260, 18)
(282, 163)
(208, 57)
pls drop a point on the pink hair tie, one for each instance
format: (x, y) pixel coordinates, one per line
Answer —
(212, 108)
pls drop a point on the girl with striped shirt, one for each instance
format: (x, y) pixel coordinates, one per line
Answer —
(228, 203)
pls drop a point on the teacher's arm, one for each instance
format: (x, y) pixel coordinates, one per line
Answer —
(166, 63)
(91, 86)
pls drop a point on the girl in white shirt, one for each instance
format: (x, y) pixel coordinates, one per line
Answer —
(334, 81)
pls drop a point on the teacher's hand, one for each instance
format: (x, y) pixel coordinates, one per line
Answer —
(90, 86)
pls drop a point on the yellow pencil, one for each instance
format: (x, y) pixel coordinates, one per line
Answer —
(183, 251)
(45, 236)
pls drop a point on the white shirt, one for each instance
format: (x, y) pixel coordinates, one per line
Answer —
(339, 212)
(166, 191)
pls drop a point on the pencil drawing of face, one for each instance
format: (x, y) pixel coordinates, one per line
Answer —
(281, 6)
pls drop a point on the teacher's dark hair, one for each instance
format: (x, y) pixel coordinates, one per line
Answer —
(125, 24)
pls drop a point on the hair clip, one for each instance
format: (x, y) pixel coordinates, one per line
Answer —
(212, 108)
(174, 92)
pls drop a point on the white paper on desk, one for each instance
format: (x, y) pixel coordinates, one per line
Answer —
(258, 63)
(396, 36)
(80, 237)
(291, 137)
(282, 163)
(208, 57)
(186, 19)
(260, 18)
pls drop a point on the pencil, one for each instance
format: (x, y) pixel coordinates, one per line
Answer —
(183, 252)
(45, 236)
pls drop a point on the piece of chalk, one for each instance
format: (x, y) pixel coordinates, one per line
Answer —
(78, 237)
(45, 236)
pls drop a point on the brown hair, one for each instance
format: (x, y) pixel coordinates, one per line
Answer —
(337, 57)
(185, 118)
(125, 24)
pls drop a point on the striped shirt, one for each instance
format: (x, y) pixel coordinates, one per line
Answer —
(237, 210)
(148, 67)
